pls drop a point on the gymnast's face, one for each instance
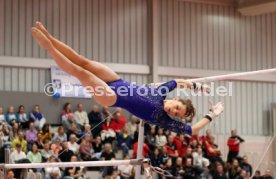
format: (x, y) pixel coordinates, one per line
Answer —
(174, 108)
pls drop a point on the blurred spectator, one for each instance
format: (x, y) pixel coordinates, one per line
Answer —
(199, 160)
(246, 166)
(10, 174)
(97, 146)
(10, 116)
(22, 118)
(243, 175)
(168, 167)
(39, 142)
(178, 169)
(74, 129)
(182, 144)
(65, 154)
(15, 130)
(267, 175)
(234, 170)
(132, 126)
(125, 171)
(17, 154)
(219, 172)
(171, 146)
(164, 155)
(67, 108)
(31, 136)
(20, 140)
(204, 140)
(52, 172)
(118, 121)
(155, 158)
(34, 155)
(95, 118)
(194, 144)
(60, 135)
(257, 175)
(151, 139)
(72, 144)
(46, 133)
(67, 123)
(234, 145)
(86, 149)
(105, 112)
(146, 149)
(73, 172)
(5, 135)
(56, 147)
(213, 151)
(124, 140)
(107, 134)
(161, 139)
(2, 116)
(189, 169)
(87, 130)
(81, 116)
(37, 117)
(107, 154)
(46, 152)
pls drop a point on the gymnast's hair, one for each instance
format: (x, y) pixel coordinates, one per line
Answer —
(190, 109)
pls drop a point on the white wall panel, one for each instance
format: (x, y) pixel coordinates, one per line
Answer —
(215, 37)
(104, 30)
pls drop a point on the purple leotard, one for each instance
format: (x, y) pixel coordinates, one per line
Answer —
(148, 103)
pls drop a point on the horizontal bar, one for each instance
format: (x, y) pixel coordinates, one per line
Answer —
(74, 164)
(200, 73)
(47, 63)
(236, 76)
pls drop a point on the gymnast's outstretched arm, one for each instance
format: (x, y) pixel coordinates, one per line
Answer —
(214, 112)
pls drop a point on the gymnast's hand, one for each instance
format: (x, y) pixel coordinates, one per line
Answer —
(204, 88)
(216, 110)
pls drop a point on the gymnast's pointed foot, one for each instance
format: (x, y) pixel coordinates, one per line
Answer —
(41, 39)
(40, 26)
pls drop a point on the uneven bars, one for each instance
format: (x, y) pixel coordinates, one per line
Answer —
(74, 164)
(233, 76)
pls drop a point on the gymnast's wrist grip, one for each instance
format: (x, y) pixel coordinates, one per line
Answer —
(197, 86)
(208, 117)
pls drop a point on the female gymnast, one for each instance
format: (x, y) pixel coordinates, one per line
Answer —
(153, 108)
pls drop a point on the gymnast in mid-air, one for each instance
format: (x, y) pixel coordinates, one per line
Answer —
(153, 107)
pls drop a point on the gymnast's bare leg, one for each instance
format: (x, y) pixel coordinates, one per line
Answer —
(101, 71)
(88, 79)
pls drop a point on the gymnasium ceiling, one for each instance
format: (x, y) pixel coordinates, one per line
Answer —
(245, 7)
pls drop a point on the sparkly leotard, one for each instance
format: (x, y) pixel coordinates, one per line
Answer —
(148, 103)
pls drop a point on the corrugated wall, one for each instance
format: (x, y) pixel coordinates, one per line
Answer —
(33, 80)
(112, 31)
(196, 35)
(105, 30)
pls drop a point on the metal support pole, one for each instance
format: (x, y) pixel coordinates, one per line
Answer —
(140, 149)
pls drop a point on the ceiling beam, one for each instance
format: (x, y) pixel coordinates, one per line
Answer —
(213, 2)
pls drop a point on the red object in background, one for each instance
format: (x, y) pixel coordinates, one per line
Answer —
(146, 150)
(208, 146)
(233, 146)
(181, 146)
(118, 122)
